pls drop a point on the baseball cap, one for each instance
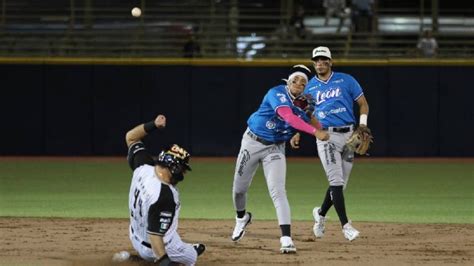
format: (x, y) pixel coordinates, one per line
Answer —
(321, 51)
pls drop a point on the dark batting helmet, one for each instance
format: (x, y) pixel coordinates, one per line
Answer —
(176, 159)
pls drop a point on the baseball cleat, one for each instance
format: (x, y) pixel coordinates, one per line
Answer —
(350, 233)
(287, 245)
(240, 225)
(200, 248)
(319, 221)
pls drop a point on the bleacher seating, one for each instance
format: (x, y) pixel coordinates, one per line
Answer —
(256, 30)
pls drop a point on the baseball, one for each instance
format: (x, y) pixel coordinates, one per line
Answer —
(136, 12)
(121, 256)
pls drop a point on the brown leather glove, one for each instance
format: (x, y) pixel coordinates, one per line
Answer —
(306, 103)
(360, 140)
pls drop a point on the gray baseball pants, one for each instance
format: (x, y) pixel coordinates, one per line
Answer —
(336, 160)
(273, 159)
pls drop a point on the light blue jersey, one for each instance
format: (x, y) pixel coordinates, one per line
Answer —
(334, 99)
(266, 123)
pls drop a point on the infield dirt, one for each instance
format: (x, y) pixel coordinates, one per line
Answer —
(57, 241)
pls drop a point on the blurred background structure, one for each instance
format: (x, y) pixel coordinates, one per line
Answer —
(77, 74)
(234, 28)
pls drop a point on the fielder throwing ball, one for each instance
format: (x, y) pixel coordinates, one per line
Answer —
(154, 200)
(335, 93)
(281, 112)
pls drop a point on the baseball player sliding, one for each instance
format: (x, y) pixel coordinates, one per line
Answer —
(154, 200)
(275, 121)
(335, 93)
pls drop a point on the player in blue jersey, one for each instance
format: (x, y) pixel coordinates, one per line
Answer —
(263, 142)
(335, 94)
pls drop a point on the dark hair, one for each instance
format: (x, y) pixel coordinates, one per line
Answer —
(300, 68)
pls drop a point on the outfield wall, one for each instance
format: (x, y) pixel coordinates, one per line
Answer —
(85, 107)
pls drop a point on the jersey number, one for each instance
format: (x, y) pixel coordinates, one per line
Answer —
(136, 194)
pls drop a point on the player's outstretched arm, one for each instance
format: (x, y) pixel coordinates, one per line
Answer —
(157, 245)
(139, 132)
(287, 114)
(295, 140)
(321, 135)
(315, 123)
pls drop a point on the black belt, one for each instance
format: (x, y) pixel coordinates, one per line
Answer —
(340, 129)
(146, 244)
(259, 139)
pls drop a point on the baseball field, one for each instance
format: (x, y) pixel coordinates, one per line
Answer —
(73, 211)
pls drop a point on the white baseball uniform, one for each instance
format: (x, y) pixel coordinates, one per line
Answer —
(154, 209)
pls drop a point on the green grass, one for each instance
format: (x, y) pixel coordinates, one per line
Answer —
(385, 192)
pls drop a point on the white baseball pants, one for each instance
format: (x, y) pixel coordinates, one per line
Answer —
(177, 250)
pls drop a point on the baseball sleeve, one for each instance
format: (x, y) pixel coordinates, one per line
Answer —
(161, 213)
(356, 89)
(277, 99)
(138, 155)
(296, 122)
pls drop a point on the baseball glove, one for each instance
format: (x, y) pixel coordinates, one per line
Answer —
(360, 140)
(306, 103)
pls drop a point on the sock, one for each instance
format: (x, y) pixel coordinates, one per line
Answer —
(339, 205)
(285, 230)
(327, 203)
(240, 214)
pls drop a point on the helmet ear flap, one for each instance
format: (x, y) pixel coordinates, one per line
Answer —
(176, 168)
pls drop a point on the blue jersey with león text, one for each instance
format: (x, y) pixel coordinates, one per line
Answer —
(266, 123)
(334, 99)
